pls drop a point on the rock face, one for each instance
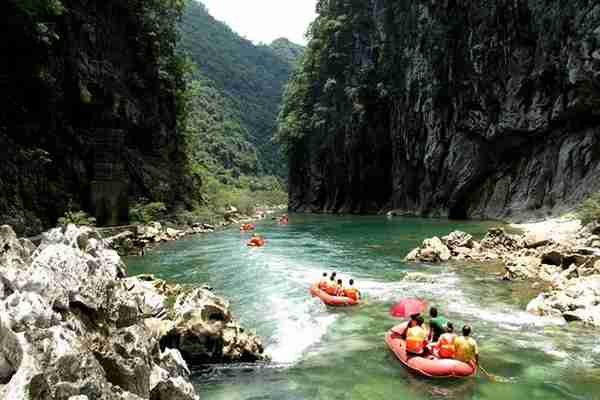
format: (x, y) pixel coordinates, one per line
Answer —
(86, 112)
(205, 331)
(572, 271)
(480, 110)
(577, 300)
(72, 324)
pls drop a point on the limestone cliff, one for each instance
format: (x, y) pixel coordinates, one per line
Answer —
(463, 108)
(87, 113)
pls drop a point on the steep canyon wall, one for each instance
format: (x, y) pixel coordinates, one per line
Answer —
(87, 117)
(483, 109)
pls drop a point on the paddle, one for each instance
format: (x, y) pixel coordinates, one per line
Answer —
(493, 378)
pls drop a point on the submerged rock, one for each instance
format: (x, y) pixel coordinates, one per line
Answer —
(432, 250)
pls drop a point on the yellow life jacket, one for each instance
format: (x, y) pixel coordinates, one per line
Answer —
(415, 339)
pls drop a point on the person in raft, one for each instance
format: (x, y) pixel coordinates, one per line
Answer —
(351, 292)
(416, 337)
(339, 288)
(331, 288)
(466, 347)
(437, 324)
(324, 282)
(444, 347)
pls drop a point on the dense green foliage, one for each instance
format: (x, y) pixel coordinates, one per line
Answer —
(326, 93)
(589, 210)
(77, 218)
(249, 78)
(39, 9)
(147, 212)
(229, 106)
(288, 51)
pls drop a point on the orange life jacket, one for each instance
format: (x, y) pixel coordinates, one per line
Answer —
(323, 285)
(446, 346)
(415, 340)
(255, 241)
(331, 288)
(351, 293)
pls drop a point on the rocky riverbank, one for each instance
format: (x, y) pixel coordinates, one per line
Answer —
(74, 326)
(560, 253)
(136, 239)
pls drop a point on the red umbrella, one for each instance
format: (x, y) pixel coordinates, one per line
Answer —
(407, 307)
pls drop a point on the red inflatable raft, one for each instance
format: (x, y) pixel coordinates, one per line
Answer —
(247, 227)
(255, 242)
(331, 300)
(428, 366)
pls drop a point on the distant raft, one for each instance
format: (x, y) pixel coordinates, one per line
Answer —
(428, 366)
(255, 242)
(331, 300)
(247, 227)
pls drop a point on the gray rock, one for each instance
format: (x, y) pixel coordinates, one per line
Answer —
(496, 148)
(27, 310)
(174, 389)
(204, 331)
(127, 359)
(552, 258)
(534, 240)
(172, 361)
(521, 268)
(576, 299)
(150, 301)
(436, 250)
(458, 239)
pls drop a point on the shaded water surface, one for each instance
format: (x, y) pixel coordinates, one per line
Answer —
(321, 353)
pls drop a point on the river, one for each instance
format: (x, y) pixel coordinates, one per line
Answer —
(325, 353)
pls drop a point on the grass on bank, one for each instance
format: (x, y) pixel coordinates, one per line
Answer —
(217, 195)
(589, 210)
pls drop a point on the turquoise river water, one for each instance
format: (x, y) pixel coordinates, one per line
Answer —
(326, 353)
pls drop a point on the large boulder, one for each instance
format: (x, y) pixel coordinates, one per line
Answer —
(26, 310)
(458, 239)
(536, 239)
(71, 326)
(151, 301)
(432, 250)
(173, 389)
(127, 359)
(553, 257)
(56, 364)
(204, 331)
(577, 299)
(522, 267)
(498, 240)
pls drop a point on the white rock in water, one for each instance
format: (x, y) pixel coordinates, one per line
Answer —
(438, 248)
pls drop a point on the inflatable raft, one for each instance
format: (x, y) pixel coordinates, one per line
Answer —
(255, 243)
(428, 365)
(331, 300)
(247, 227)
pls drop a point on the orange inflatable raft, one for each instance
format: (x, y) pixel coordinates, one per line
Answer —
(331, 300)
(255, 242)
(247, 227)
(429, 366)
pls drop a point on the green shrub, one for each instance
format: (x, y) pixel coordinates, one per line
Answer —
(589, 210)
(77, 218)
(146, 213)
